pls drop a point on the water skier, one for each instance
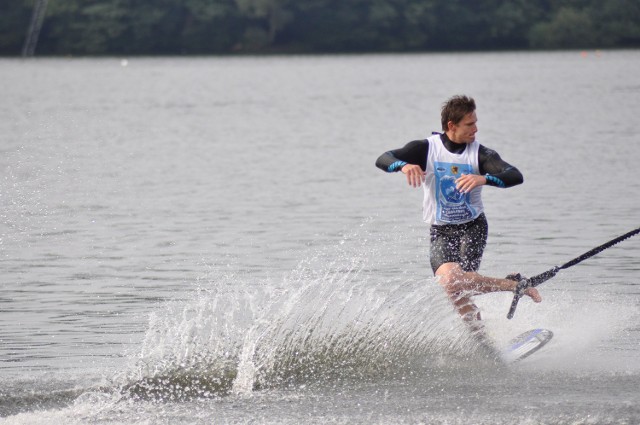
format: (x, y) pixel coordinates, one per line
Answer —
(452, 167)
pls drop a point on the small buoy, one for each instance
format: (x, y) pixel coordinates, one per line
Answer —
(124, 62)
(584, 54)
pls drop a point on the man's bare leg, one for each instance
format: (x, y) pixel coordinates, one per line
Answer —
(460, 286)
(470, 314)
(456, 281)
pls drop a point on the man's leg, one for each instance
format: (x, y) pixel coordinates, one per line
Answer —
(456, 252)
(461, 285)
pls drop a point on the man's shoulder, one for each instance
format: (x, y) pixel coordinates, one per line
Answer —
(425, 142)
(435, 136)
(484, 150)
(420, 142)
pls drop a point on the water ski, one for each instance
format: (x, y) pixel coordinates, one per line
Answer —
(526, 344)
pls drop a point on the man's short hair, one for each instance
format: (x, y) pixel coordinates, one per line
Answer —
(455, 110)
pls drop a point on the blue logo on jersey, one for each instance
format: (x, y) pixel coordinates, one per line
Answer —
(452, 205)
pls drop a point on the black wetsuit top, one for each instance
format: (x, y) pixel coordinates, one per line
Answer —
(497, 172)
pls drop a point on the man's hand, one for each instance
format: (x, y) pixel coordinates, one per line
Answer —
(534, 294)
(466, 182)
(415, 175)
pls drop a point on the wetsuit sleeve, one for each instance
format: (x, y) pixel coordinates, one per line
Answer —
(412, 153)
(498, 172)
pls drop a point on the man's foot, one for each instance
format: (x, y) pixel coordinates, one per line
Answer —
(530, 292)
(516, 277)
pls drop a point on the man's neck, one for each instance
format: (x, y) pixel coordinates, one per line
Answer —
(452, 146)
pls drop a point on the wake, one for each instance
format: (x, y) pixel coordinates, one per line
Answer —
(332, 319)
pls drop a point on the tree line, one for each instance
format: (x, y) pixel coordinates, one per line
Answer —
(170, 27)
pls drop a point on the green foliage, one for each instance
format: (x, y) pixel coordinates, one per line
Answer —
(618, 23)
(268, 18)
(14, 21)
(569, 28)
(211, 26)
(127, 27)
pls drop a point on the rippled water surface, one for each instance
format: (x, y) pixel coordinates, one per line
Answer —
(207, 240)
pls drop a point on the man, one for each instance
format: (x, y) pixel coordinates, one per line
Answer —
(452, 167)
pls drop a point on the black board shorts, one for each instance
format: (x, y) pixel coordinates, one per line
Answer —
(459, 243)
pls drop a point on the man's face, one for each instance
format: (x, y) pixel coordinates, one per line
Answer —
(464, 131)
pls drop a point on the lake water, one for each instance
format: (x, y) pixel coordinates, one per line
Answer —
(207, 240)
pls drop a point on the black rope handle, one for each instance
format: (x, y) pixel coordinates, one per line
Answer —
(534, 281)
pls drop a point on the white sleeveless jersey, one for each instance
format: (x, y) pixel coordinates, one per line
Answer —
(443, 203)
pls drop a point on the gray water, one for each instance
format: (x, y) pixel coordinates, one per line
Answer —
(207, 240)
